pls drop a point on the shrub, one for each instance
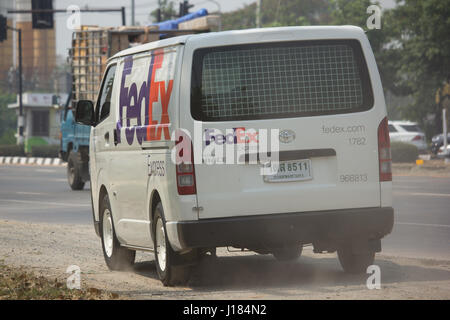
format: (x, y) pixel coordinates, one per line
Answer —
(45, 151)
(12, 150)
(404, 152)
(8, 137)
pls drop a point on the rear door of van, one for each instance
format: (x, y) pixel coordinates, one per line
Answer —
(316, 97)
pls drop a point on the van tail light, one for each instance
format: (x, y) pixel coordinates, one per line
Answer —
(186, 178)
(417, 138)
(384, 151)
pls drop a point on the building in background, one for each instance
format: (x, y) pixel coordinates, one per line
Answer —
(42, 118)
(38, 50)
(6, 47)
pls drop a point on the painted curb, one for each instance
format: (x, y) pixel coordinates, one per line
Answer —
(35, 161)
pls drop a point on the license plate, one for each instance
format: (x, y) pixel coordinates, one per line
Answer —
(295, 170)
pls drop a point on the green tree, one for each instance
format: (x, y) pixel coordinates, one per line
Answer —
(8, 119)
(412, 48)
(276, 13)
(423, 55)
(168, 11)
(383, 41)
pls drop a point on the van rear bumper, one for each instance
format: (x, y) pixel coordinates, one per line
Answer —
(325, 228)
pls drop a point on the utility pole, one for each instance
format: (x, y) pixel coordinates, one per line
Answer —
(20, 122)
(220, 12)
(123, 16)
(443, 101)
(158, 14)
(444, 128)
(133, 16)
(258, 13)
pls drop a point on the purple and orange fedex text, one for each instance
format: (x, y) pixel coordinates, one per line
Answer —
(150, 92)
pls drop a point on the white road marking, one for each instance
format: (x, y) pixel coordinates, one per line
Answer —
(45, 170)
(423, 224)
(32, 193)
(48, 203)
(407, 187)
(33, 178)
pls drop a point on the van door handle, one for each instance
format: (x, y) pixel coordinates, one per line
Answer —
(116, 140)
(107, 137)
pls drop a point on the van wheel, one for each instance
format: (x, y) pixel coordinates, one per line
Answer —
(169, 274)
(355, 263)
(116, 257)
(288, 253)
(74, 164)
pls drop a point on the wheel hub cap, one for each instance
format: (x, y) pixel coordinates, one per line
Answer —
(107, 233)
(161, 245)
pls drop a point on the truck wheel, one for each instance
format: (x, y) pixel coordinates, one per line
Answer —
(74, 164)
(168, 273)
(288, 253)
(355, 262)
(116, 257)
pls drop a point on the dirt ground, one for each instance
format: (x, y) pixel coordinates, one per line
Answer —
(48, 249)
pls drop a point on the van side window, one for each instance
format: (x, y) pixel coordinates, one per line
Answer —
(104, 101)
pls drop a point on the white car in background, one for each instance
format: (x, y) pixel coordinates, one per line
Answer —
(409, 132)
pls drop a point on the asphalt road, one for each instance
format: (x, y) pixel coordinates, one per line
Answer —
(422, 207)
(41, 194)
(422, 218)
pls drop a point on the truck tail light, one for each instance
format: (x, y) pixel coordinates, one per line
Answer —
(384, 151)
(186, 177)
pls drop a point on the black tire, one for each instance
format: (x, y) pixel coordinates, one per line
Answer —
(288, 253)
(355, 262)
(169, 274)
(74, 171)
(116, 257)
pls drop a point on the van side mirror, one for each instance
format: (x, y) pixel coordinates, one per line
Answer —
(84, 113)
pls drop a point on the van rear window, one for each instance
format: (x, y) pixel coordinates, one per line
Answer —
(279, 80)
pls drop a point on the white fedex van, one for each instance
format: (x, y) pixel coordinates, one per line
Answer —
(318, 88)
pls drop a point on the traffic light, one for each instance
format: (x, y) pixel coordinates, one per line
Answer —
(184, 8)
(158, 15)
(42, 20)
(3, 28)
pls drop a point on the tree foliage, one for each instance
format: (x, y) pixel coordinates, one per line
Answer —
(279, 13)
(412, 48)
(423, 55)
(168, 11)
(8, 119)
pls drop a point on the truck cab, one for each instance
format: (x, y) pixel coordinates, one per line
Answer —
(74, 149)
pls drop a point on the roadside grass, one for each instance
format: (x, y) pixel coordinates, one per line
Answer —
(18, 284)
(428, 168)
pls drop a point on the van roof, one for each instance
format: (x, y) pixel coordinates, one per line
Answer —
(310, 32)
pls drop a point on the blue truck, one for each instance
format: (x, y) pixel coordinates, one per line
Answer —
(88, 55)
(74, 148)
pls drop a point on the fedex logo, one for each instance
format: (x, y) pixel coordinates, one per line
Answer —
(139, 105)
(234, 136)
